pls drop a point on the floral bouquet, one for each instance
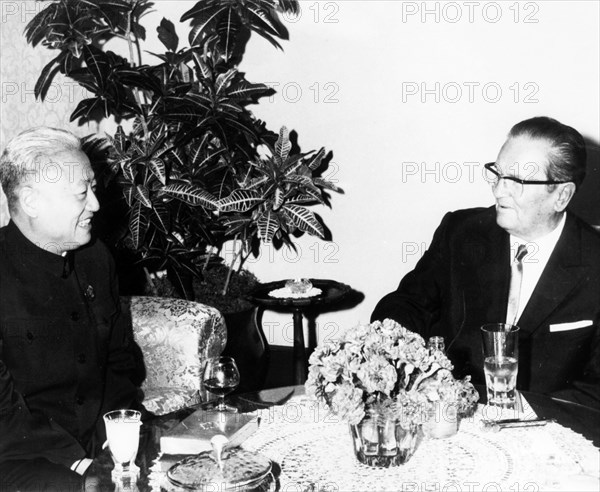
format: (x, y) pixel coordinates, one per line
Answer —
(384, 367)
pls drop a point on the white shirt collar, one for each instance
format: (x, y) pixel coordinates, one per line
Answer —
(542, 247)
(534, 262)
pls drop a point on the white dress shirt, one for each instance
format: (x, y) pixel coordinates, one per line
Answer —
(534, 262)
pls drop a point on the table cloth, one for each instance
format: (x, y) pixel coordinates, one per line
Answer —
(314, 450)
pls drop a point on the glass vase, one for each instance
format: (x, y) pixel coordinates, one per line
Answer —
(380, 441)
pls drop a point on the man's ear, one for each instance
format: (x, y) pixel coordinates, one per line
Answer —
(28, 200)
(565, 193)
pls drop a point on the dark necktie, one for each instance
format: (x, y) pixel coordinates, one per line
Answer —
(516, 277)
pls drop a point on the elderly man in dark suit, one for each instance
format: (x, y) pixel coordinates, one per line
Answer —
(525, 261)
(66, 354)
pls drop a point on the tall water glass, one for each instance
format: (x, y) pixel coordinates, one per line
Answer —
(123, 437)
(501, 363)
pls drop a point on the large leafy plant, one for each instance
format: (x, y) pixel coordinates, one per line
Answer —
(191, 169)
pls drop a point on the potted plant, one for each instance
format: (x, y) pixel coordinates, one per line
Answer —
(189, 168)
(379, 377)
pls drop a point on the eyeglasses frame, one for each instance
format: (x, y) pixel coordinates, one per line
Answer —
(489, 165)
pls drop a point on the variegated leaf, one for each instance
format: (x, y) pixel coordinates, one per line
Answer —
(300, 179)
(328, 185)
(308, 197)
(143, 196)
(315, 161)
(158, 168)
(203, 13)
(230, 107)
(224, 79)
(178, 156)
(236, 224)
(295, 165)
(248, 91)
(257, 182)
(239, 201)
(283, 145)
(278, 200)
(209, 157)
(161, 216)
(267, 226)
(119, 141)
(138, 225)
(203, 68)
(260, 19)
(128, 193)
(191, 194)
(128, 169)
(304, 220)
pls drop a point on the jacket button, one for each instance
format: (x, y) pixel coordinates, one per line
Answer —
(29, 335)
(79, 400)
(75, 316)
(81, 358)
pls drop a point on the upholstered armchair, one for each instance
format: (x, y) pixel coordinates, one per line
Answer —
(176, 337)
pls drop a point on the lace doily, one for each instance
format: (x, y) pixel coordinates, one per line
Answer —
(286, 293)
(314, 451)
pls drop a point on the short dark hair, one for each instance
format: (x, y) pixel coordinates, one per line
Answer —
(567, 160)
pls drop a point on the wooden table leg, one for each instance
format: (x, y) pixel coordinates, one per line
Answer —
(300, 365)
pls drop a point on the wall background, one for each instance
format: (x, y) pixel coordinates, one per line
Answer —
(412, 98)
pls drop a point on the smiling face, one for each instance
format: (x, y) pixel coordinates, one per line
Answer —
(537, 211)
(63, 202)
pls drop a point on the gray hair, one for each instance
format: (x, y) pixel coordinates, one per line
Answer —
(23, 156)
(567, 159)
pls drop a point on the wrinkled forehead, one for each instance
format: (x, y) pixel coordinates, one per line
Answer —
(524, 156)
(66, 167)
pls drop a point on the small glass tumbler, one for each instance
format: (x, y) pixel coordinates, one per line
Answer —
(123, 438)
(501, 363)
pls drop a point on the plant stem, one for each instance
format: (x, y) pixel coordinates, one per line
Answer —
(136, 92)
(151, 283)
(207, 261)
(231, 266)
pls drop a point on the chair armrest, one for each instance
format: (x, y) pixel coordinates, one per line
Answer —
(176, 336)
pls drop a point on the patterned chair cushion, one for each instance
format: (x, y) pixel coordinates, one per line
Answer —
(176, 337)
(161, 401)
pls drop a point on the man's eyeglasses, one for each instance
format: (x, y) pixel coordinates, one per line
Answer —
(513, 184)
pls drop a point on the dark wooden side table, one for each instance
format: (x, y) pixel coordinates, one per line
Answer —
(332, 292)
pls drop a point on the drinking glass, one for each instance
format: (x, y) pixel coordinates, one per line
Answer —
(221, 377)
(501, 363)
(123, 437)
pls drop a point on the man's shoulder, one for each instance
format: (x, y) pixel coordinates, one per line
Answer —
(590, 235)
(94, 252)
(468, 219)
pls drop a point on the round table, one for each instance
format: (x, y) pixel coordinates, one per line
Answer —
(331, 292)
(576, 417)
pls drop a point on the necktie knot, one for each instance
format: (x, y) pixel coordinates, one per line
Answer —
(521, 252)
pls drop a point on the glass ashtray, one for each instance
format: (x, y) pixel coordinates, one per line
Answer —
(241, 471)
(299, 285)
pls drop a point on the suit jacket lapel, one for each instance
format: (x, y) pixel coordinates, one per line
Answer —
(561, 275)
(493, 272)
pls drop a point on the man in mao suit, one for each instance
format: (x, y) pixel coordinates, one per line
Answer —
(66, 354)
(464, 279)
